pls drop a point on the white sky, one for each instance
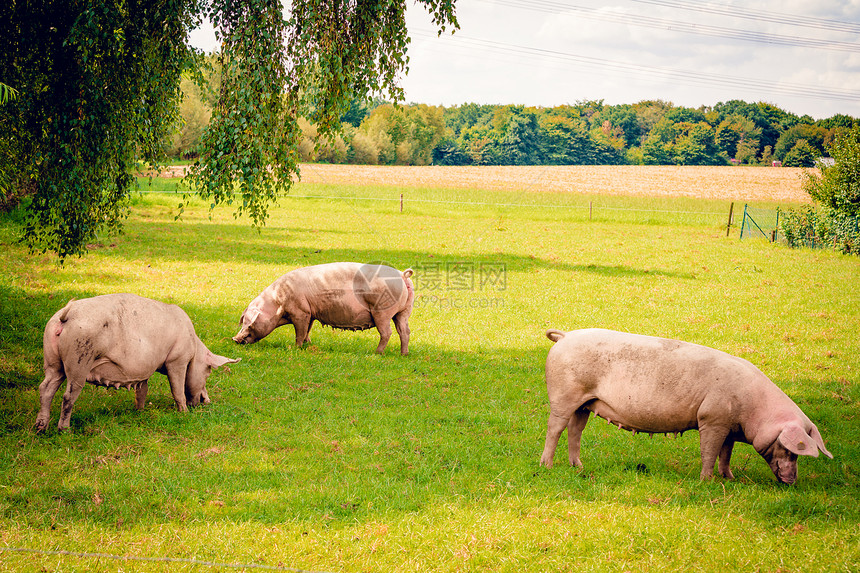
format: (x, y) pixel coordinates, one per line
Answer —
(554, 52)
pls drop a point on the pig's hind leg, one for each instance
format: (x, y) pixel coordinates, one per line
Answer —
(383, 325)
(401, 323)
(575, 426)
(54, 377)
(574, 421)
(73, 390)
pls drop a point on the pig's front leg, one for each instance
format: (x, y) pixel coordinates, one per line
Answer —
(725, 458)
(140, 392)
(711, 441)
(176, 376)
(302, 324)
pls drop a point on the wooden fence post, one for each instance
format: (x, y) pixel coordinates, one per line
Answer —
(401, 202)
(729, 224)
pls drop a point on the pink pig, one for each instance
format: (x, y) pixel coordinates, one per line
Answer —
(120, 340)
(349, 296)
(657, 385)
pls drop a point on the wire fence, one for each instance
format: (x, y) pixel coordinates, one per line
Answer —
(139, 559)
(760, 223)
(612, 209)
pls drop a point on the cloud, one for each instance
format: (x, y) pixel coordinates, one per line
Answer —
(552, 52)
(590, 50)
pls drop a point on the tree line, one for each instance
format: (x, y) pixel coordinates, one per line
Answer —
(651, 132)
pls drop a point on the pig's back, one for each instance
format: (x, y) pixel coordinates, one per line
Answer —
(646, 383)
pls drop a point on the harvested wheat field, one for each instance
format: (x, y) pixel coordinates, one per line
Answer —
(776, 184)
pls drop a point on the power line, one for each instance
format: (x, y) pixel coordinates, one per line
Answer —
(790, 89)
(770, 17)
(683, 27)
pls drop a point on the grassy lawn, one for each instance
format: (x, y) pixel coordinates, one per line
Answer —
(332, 458)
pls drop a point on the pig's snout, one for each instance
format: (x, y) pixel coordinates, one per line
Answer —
(785, 471)
(787, 475)
(244, 337)
(201, 398)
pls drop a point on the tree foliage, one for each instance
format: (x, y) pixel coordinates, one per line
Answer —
(100, 89)
(838, 186)
(835, 220)
(585, 133)
(98, 84)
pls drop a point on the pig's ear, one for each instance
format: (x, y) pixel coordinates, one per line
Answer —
(250, 315)
(216, 361)
(796, 440)
(819, 441)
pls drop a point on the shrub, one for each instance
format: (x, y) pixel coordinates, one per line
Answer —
(817, 227)
(364, 150)
(845, 232)
(838, 187)
(836, 221)
(803, 227)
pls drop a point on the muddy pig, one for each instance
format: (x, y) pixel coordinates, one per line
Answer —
(120, 340)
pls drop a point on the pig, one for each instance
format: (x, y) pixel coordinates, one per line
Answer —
(119, 340)
(657, 385)
(349, 296)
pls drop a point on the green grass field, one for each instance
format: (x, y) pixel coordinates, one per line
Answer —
(332, 458)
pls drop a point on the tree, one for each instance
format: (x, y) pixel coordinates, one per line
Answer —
(814, 137)
(838, 186)
(836, 192)
(516, 131)
(801, 155)
(100, 86)
(194, 114)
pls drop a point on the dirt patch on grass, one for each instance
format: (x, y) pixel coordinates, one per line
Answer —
(777, 184)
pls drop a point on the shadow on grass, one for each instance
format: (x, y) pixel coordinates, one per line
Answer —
(217, 242)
